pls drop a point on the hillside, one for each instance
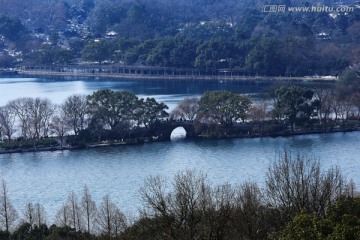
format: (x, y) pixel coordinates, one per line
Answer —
(205, 34)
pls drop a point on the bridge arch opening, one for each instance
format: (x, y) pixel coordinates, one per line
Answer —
(178, 133)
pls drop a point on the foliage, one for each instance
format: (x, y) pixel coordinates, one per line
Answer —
(96, 51)
(24, 231)
(342, 223)
(106, 15)
(160, 55)
(224, 107)
(49, 54)
(263, 58)
(149, 111)
(349, 83)
(294, 103)
(215, 54)
(112, 107)
(209, 35)
(6, 60)
(73, 111)
(11, 27)
(307, 226)
(113, 116)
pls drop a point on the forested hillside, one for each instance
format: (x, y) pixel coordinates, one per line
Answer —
(206, 34)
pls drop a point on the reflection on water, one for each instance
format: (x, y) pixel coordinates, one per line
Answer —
(303, 141)
(48, 177)
(178, 133)
(58, 88)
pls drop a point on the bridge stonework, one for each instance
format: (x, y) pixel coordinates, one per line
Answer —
(164, 131)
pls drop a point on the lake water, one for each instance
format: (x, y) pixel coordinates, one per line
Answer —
(168, 91)
(48, 177)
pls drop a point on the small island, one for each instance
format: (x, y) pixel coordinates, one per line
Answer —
(117, 118)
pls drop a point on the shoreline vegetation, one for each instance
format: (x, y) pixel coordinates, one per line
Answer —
(117, 118)
(55, 146)
(300, 200)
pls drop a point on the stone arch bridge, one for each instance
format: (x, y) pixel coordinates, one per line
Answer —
(164, 130)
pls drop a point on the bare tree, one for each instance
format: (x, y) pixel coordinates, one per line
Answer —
(343, 108)
(40, 214)
(75, 220)
(155, 196)
(62, 216)
(20, 107)
(355, 100)
(34, 115)
(190, 190)
(7, 122)
(40, 111)
(34, 214)
(75, 108)
(89, 210)
(191, 209)
(119, 223)
(157, 204)
(29, 214)
(216, 208)
(296, 183)
(342, 104)
(249, 212)
(8, 214)
(34, 106)
(187, 109)
(109, 218)
(258, 114)
(58, 125)
(47, 110)
(325, 98)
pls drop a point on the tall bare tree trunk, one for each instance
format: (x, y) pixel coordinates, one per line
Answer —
(8, 214)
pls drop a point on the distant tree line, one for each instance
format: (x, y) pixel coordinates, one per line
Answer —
(131, 18)
(268, 55)
(300, 200)
(208, 35)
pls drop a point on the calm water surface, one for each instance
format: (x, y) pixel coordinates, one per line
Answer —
(168, 91)
(48, 177)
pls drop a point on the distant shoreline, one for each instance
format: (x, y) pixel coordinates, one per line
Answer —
(172, 77)
(117, 144)
(141, 72)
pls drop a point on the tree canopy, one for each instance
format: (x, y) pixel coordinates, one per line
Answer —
(112, 107)
(223, 107)
(11, 27)
(295, 104)
(209, 35)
